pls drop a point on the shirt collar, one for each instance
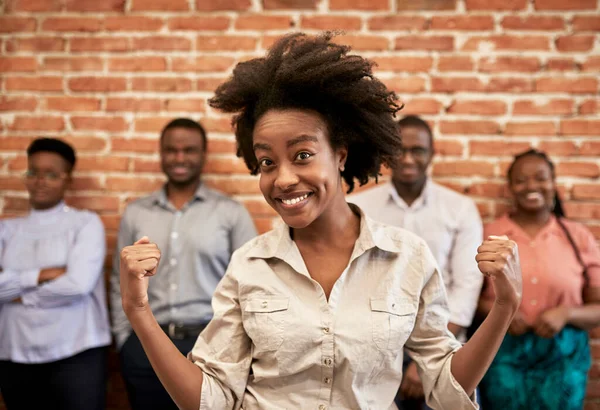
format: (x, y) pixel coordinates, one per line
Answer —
(41, 213)
(160, 197)
(512, 228)
(421, 200)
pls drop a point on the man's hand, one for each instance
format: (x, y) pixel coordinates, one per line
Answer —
(412, 387)
(551, 322)
(49, 274)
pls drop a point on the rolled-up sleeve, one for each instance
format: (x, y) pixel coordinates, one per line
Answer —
(432, 346)
(223, 349)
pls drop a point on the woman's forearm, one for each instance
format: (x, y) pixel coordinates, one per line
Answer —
(470, 363)
(181, 378)
(584, 317)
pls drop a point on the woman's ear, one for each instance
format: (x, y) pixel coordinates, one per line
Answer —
(342, 156)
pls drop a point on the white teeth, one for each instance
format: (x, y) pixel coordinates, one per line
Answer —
(534, 195)
(294, 200)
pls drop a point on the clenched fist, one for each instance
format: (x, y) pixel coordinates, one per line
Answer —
(138, 262)
(498, 259)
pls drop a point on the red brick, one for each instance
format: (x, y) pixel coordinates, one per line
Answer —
(410, 84)
(509, 63)
(161, 84)
(95, 5)
(36, 44)
(15, 143)
(581, 85)
(86, 144)
(219, 165)
(289, 4)
(146, 165)
(17, 163)
(575, 43)
(535, 129)
(488, 190)
(86, 183)
(139, 145)
(225, 43)
(133, 23)
(462, 23)
(72, 64)
(133, 104)
(151, 124)
(100, 203)
(403, 63)
(588, 191)
(578, 169)
(563, 5)
(132, 184)
(397, 23)
(142, 63)
(469, 127)
(552, 107)
(100, 84)
(259, 207)
(162, 43)
(506, 42)
(221, 146)
(160, 5)
(422, 106)
(208, 63)
(264, 225)
(448, 147)
(477, 107)
(199, 23)
(429, 43)
(364, 42)
(233, 186)
(195, 105)
(532, 22)
(204, 5)
(559, 148)
(496, 4)
(12, 183)
(513, 85)
(15, 204)
(592, 64)
(21, 103)
(455, 63)
(112, 124)
(463, 168)
(454, 84)
(85, 24)
(17, 24)
(359, 5)
(263, 22)
(102, 163)
(72, 104)
(580, 127)
(33, 5)
(586, 23)
(221, 124)
(17, 64)
(497, 148)
(82, 44)
(561, 64)
(327, 22)
(418, 5)
(589, 107)
(38, 123)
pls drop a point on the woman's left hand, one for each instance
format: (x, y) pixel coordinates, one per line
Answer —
(552, 321)
(498, 259)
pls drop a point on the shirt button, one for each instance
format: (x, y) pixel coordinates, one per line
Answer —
(322, 407)
(326, 330)
(327, 380)
(532, 244)
(265, 304)
(534, 280)
(328, 361)
(173, 286)
(533, 302)
(174, 235)
(173, 261)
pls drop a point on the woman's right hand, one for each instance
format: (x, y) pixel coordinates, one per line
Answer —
(137, 263)
(518, 326)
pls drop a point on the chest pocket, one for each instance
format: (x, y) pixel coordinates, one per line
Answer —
(392, 323)
(266, 321)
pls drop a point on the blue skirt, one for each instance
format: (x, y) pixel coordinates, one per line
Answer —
(533, 373)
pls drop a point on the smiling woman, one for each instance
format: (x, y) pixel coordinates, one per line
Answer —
(316, 313)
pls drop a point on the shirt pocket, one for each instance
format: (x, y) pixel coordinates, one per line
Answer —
(267, 319)
(392, 322)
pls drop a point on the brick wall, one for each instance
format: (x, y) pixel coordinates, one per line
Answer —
(493, 76)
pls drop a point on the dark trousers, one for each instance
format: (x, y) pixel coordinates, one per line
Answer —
(74, 383)
(144, 389)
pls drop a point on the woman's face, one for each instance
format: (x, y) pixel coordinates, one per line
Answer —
(532, 184)
(47, 179)
(299, 169)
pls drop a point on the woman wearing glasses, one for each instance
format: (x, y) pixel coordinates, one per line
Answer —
(53, 318)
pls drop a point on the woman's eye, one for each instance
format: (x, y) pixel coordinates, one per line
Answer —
(265, 162)
(303, 155)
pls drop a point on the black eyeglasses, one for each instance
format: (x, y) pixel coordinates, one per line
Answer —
(415, 152)
(47, 176)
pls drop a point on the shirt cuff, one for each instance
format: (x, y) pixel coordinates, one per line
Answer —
(29, 278)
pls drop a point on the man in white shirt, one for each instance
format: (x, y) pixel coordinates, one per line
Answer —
(448, 221)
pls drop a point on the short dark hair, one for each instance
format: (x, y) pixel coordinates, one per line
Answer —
(56, 146)
(185, 123)
(313, 73)
(417, 122)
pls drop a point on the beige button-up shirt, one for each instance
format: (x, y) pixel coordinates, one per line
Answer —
(276, 342)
